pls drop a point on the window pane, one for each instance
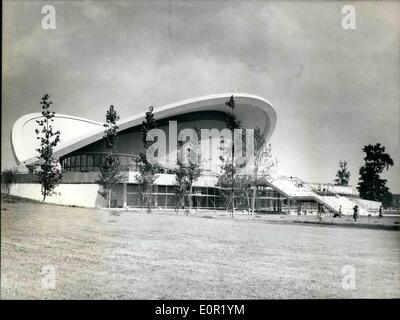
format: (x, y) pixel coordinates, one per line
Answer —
(261, 204)
(97, 160)
(132, 188)
(90, 162)
(78, 163)
(132, 200)
(171, 201)
(72, 163)
(211, 202)
(83, 163)
(68, 165)
(161, 199)
(201, 202)
(220, 203)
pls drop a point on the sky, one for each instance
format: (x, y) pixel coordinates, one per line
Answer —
(334, 90)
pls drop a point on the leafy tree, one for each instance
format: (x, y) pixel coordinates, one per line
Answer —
(230, 119)
(110, 174)
(193, 173)
(229, 171)
(50, 174)
(342, 175)
(234, 180)
(8, 178)
(180, 187)
(233, 184)
(147, 171)
(146, 178)
(187, 173)
(371, 186)
(263, 164)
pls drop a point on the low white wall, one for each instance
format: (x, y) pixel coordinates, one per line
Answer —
(83, 195)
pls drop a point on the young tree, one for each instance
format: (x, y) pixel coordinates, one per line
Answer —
(233, 178)
(50, 174)
(371, 186)
(233, 184)
(180, 187)
(263, 164)
(187, 173)
(147, 171)
(146, 178)
(193, 173)
(342, 175)
(110, 173)
(229, 170)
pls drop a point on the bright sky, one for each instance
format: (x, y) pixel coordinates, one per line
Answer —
(334, 90)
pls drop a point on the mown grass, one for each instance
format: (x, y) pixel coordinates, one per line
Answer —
(8, 198)
(98, 254)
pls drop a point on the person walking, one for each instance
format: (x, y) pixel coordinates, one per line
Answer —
(355, 213)
(339, 213)
(321, 213)
(380, 213)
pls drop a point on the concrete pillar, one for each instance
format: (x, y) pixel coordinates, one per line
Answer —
(124, 195)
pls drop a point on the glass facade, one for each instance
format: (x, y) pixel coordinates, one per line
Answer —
(204, 198)
(164, 197)
(267, 199)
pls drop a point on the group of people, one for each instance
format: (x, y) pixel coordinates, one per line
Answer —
(356, 213)
(338, 214)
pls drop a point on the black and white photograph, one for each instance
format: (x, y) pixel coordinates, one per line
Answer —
(200, 150)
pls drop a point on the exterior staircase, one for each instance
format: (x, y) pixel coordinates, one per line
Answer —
(297, 188)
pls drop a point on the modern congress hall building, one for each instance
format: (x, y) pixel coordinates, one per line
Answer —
(82, 149)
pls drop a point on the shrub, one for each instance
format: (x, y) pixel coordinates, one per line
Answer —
(8, 178)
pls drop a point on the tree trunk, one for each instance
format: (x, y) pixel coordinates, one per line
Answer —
(177, 203)
(248, 202)
(233, 203)
(190, 197)
(109, 198)
(149, 198)
(253, 199)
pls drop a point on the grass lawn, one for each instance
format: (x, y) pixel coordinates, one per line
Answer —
(98, 254)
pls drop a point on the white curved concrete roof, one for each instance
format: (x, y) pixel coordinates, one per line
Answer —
(252, 111)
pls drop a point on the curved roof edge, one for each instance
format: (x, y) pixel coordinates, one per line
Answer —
(215, 102)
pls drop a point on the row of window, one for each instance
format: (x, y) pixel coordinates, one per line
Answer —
(200, 191)
(202, 202)
(164, 196)
(92, 162)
